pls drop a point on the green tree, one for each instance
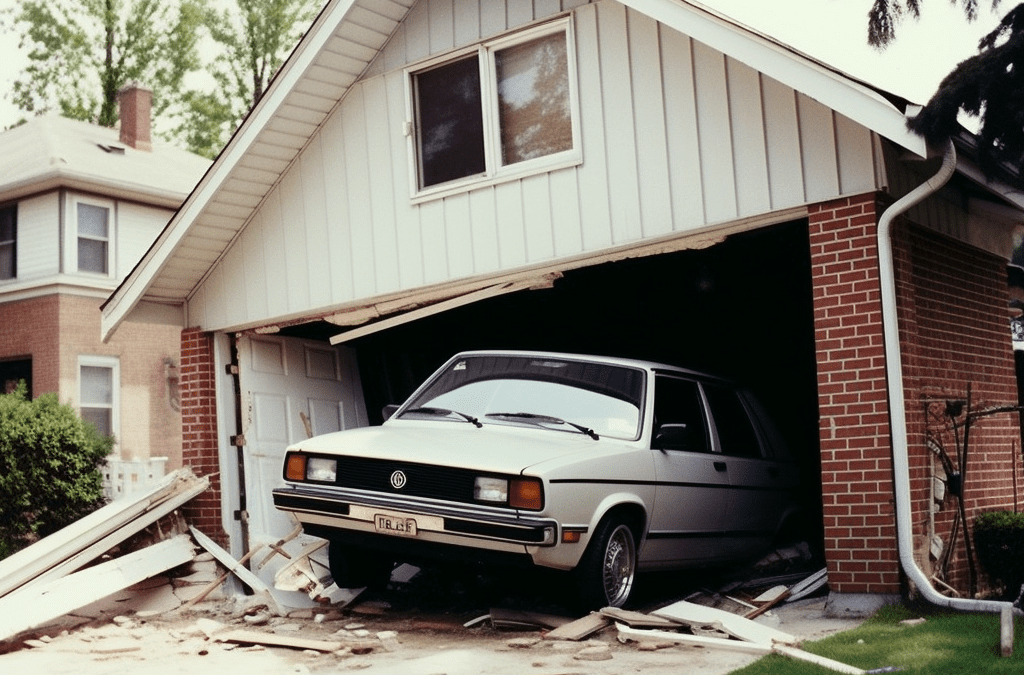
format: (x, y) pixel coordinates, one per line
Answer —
(988, 86)
(82, 52)
(253, 38)
(49, 467)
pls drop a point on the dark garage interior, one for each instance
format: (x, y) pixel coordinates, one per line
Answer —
(740, 309)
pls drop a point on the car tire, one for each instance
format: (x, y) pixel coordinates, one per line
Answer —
(354, 567)
(605, 575)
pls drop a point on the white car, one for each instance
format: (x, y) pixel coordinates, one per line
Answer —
(597, 466)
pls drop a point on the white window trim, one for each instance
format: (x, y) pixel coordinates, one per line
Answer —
(114, 364)
(71, 236)
(494, 173)
(13, 242)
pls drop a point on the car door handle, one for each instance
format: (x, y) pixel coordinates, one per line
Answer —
(720, 466)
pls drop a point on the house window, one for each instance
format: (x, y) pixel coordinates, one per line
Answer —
(506, 107)
(8, 242)
(93, 223)
(99, 384)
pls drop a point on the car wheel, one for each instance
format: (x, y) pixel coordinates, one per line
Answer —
(353, 567)
(605, 574)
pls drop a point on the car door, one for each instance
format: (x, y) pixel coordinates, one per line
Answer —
(759, 484)
(691, 493)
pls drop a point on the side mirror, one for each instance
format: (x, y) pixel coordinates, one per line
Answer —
(389, 410)
(672, 437)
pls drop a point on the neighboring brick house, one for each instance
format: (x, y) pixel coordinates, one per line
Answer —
(79, 205)
(702, 195)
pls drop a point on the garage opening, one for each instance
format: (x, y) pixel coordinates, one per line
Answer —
(741, 309)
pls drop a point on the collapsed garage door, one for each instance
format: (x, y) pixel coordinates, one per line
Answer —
(741, 309)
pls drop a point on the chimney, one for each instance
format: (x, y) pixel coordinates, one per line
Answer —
(135, 103)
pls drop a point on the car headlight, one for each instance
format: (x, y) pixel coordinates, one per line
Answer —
(299, 467)
(322, 469)
(519, 493)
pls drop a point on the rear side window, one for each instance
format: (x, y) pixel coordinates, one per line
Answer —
(678, 402)
(735, 431)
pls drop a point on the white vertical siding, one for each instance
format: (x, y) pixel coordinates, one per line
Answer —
(676, 136)
(38, 237)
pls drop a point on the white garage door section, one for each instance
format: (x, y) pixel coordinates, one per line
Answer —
(283, 380)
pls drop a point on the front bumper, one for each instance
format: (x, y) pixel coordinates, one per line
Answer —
(462, 525)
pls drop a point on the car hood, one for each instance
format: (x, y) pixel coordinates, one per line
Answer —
(497, 448)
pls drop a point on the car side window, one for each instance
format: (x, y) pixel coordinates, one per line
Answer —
(736, 433)
(679, 416)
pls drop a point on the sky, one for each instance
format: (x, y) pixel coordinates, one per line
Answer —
(833, 31)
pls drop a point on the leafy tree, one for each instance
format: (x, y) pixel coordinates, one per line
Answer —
(253, 37)
(49, 467)
(82, 52)
(988, 86)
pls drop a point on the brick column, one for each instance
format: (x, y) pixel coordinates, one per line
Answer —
(197, 382)
(857, 488)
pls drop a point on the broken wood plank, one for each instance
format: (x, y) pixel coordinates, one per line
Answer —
(232, 565)
(30, 607)
(252, 637)
(733, 624)
(771, 595)
(808, 585)
(641, 634)
(518, 620)
(639, 619)
(767, 605)
(580, 628)
(800, 654)
(82, 538)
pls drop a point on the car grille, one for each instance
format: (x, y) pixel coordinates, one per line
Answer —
(422, 480)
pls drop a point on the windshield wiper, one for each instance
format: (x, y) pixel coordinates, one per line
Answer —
(545, 419)
(444, 412)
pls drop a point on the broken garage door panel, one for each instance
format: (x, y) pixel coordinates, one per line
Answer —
(426, 306)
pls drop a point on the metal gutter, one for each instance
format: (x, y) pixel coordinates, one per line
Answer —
(897, 408)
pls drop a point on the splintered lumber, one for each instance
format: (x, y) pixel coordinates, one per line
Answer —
(93, 535)
(33, 606)
(800, 654)
(251, 637)
(513, 619)
(229, 563)
(766, 605)
(580, 628)
(733, 624)
(639, 619)
(808, 585)
(641, 634)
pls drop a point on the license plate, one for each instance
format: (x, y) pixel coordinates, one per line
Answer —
(387, 524)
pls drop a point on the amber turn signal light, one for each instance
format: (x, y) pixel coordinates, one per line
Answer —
(526, 493)
(295, 467)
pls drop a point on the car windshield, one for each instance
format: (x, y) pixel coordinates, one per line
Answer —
(597, 399)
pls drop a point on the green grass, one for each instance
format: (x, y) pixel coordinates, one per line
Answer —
(946, 644)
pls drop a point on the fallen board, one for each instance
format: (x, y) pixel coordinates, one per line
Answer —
(733, 624)
(639, 619)
(580, 628)
(250, 637)
(31, 607)
(641, 634)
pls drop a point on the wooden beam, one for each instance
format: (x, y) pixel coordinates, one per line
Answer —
(641, 634)
(31, 607)
(733, 624)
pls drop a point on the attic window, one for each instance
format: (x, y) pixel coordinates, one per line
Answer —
(503, 108)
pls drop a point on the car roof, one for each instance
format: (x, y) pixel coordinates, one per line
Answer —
(651, 366)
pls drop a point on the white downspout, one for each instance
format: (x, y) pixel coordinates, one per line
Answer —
(897, 409)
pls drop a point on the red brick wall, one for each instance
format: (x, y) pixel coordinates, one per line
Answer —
(32, 328)
(953, 327)
(857, 495)
(199, 429)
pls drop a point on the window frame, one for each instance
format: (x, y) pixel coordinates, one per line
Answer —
(13, 243)
(494, 172)
(71, 247)
(113, 364)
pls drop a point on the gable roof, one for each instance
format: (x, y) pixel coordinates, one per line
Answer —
(339, 46)
(50, 152)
